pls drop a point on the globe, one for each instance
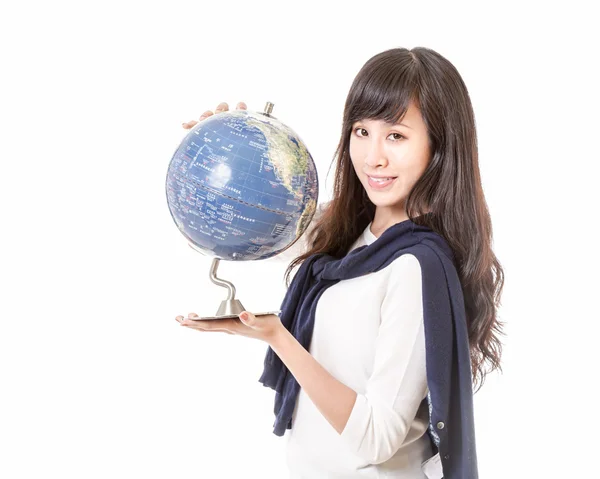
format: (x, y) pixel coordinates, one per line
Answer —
(242, 186)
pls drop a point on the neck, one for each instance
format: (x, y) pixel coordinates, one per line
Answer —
(384, 218)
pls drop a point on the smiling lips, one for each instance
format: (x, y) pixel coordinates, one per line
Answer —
(380, 183)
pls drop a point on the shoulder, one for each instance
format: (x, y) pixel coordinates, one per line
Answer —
(405, 274)
(405, 265)
(403, 296)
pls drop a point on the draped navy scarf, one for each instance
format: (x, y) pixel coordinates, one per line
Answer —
(448, 360)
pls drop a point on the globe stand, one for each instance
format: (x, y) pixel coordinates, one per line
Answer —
(230, 307)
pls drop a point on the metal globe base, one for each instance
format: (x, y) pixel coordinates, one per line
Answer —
(230, 307)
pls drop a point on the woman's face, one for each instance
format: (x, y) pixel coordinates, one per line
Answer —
(399, 151)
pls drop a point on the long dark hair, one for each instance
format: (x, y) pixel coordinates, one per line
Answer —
(449, 189)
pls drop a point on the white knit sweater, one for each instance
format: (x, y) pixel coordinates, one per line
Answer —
(369, 335)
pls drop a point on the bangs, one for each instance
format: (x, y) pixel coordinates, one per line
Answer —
(381, 92)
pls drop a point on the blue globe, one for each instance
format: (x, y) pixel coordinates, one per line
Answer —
(242, 186)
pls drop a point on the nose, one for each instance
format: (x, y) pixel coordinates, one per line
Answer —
(376, 156)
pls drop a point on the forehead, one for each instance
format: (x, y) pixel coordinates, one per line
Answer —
(412, 118)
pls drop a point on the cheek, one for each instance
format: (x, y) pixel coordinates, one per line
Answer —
(420, 168)
(412, 163)
(355, 157)
(352, 151)
(412, 175)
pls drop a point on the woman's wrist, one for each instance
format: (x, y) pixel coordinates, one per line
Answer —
(277, 335)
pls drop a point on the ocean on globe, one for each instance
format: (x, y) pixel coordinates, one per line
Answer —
(242, 186)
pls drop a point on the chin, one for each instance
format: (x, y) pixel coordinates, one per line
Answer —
(389, 204)
(386, 199)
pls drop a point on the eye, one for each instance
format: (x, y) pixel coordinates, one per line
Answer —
(398, 135)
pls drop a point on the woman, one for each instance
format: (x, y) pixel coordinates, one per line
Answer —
(374, 330)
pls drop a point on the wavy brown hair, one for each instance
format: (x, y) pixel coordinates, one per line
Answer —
(449, 189)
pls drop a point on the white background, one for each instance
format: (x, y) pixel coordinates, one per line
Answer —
(96, 377)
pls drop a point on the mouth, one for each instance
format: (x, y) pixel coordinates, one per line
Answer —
(380, 183)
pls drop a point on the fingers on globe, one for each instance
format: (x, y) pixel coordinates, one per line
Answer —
(206, 114)
(189, 124)
(223, 106)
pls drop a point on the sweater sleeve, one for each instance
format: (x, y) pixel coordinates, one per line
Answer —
(381, 417)
(301, 245)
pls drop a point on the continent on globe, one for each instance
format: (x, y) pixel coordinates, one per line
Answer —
(242, 186)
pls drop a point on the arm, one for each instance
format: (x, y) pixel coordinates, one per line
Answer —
(333, 398)
(374, 424)
(383, 415)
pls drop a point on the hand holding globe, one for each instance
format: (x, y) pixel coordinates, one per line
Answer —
(241, 186)
(264, 327)
(223, 106)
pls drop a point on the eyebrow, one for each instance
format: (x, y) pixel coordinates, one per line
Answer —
(389, 124)
(399, 124)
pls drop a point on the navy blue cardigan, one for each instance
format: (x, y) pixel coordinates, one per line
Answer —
(448, 361)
